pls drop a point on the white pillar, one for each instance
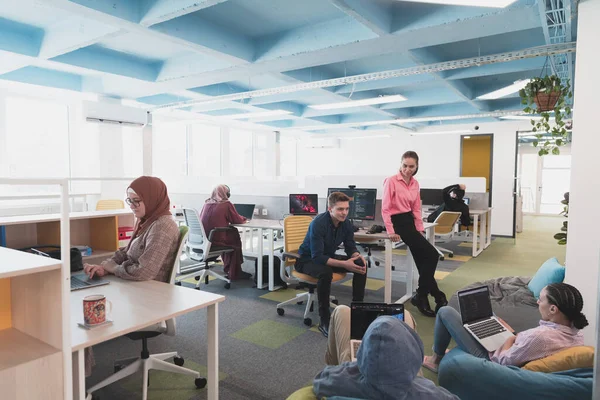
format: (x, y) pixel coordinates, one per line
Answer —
(583, 248)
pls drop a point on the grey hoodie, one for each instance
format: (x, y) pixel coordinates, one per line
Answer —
(388, 361)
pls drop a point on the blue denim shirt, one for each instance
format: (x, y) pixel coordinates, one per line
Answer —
(323, 239)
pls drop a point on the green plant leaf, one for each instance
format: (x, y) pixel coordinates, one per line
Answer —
(562, 242)
(559, 236)
(555, 151)
(535, 143)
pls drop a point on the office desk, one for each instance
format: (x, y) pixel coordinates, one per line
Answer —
(270, 226)
(485, 236)
(362, 237)
(136, 305)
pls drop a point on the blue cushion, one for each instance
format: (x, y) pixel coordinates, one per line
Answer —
(550, 272)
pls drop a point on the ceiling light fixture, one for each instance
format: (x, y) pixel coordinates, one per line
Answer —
(364, 137)
(360, 103)
(472, 3)
(521, 117)
(505, 91)
(258, 114)
(467, 137)
(445, 132)
(547, 50)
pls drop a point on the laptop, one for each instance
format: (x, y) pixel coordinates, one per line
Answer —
(81, 281)
(466, 200)
(361, 316)
(245, 210)
(479, 320)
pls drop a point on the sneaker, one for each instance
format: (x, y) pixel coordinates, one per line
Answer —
(324, 329)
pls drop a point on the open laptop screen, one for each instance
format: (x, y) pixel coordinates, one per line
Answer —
(475, 304)
(362, 314)
(245, 210)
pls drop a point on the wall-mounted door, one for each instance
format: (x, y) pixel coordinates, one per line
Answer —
(476, 158)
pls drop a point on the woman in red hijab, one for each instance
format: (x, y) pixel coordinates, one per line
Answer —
(151, 251)
(218, 212)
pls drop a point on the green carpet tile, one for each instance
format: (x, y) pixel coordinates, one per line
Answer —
(278, 333)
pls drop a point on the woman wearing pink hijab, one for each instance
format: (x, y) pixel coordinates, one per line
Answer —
(218, 212)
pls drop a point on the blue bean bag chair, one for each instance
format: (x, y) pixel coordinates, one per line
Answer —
(474, 378)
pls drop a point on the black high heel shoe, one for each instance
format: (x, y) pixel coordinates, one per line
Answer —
(422, 304)
(440, 301)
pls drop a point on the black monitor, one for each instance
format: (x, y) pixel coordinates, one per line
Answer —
(432, 197)
(304, 204)
(362, 202)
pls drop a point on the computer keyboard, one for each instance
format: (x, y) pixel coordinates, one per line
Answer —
(77, 283)
(487, 328)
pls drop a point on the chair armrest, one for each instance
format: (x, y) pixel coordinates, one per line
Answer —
(294, 256)
(221, 229)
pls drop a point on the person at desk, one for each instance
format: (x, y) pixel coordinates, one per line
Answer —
(401, 212)
(453, 201)
(218, 212)
(151, 250)
(318, 259)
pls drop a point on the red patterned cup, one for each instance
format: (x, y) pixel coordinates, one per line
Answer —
(94, 309)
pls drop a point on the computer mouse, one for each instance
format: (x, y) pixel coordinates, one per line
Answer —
(359, 262)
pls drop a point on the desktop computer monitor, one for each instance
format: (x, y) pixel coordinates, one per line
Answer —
(304, 204)
(362, 202)
(432, 197)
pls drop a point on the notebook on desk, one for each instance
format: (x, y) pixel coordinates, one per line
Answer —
(479, 320)
(81, 281)
(361, 316)
(245, 210)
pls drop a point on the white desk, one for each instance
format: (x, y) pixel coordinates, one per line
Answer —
(261, 225)
(485, 236)
(362, 237)
(137, 305)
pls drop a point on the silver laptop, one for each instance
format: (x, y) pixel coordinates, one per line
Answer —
(81, 281)
(479, 320)
(363, 314)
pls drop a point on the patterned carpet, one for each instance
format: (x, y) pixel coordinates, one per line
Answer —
(266, 356)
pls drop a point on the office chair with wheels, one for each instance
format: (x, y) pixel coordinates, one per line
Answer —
(149, 361)
(109, 204)
(444, 230)
(295, 228)
(199, 248)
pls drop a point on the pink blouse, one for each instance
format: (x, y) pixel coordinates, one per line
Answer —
(399, 198)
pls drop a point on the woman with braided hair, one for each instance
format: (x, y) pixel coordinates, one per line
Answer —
(560, 306)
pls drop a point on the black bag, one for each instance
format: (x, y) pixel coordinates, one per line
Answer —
(54, 252)
(265, 271)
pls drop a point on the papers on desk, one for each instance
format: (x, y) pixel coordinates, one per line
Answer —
(90, 327)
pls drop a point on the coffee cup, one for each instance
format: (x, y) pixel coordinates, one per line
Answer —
(94, 309)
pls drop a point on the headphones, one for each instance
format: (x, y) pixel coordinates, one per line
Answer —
(228, 194)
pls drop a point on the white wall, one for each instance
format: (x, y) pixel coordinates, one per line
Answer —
(583, 247)
(439, 156)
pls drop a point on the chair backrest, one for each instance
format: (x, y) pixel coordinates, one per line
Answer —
(446, 222)
(109, 204)
(295, 228)
(183, 234)
(197, 236)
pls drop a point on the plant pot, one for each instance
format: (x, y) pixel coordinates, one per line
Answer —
(546, 101)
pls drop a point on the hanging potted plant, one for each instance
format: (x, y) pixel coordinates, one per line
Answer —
(543, 97)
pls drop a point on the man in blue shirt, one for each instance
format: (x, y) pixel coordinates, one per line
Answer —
(318, 259)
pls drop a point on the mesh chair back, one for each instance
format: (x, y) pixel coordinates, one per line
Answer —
(183, 234)
(445, 222)
(197, 236)
(295, 228)
(109, 205)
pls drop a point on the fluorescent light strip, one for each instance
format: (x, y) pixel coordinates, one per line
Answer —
(444, 132)
(360, 103)
(471, 3)
(505, 91)
(259, 114)
(363, 137)
(522, 117)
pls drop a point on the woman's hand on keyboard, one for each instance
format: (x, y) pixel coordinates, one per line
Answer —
(94, 270)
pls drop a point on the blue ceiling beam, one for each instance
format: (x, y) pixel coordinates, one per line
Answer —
(101, 59)
(219, 89)
(126, 10)
(327, 119)
(444, 110)
(374, 16)
(402, 81)
(279, 124)
(309, 38)
(159, 99)
(158, 11)
(208, 34)
(20, 38)
(190, 64)
(45, 77)
(529, 64)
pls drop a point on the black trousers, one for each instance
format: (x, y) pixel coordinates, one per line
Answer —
(324, 274)
(425, 255)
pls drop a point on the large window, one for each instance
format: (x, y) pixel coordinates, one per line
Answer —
(169, 150)
(133, 152)
(287, 156)
(240, 153)
(261, 160)
(205, 150)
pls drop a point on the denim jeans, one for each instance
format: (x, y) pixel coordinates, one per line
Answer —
(448, 325)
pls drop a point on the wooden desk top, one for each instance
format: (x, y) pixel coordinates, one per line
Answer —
(362, 234)
(32, 219)
(135, 305)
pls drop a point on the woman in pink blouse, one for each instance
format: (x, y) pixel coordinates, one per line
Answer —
(401, 211)
(560, 306)
(218, 212)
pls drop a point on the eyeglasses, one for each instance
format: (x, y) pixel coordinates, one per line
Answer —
(131, 202)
